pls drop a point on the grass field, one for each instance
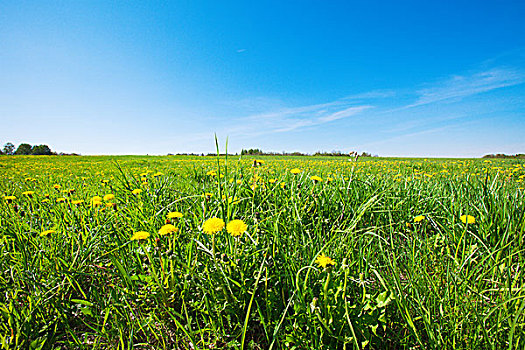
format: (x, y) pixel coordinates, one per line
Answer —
(378, 254)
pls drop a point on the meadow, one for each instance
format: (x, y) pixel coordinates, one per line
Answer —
(182, 252)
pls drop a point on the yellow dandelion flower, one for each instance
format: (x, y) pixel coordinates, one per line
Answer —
(166, 229)
(45, 200)
(9, 199)
(295, 171)
(467, 219)
(323, 261)
(174, 215)
(28, 193)
(140, 235)
(47, 232)
(213, 225)
(136, 191)
(419, 218)
(77, 201)
(316, 178)
(108, 197)
(61, 200)
(236, 227)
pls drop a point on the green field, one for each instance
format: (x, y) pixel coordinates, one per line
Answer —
(378, 254)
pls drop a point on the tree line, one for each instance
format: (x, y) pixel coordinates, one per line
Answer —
(505, 156)
(259, 152)
(26, 149)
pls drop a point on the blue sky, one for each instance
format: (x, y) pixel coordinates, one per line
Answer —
(400, 78)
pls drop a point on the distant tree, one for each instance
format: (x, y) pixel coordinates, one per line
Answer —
(41, 150)
(23, 149)
(9, 148)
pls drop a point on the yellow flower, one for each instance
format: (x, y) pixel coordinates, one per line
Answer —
(77, 202)
(316, 178)
(295, 171)
(9, 199)
(419, 218)
(45, 233)
(158, 174)
(28, 193)
(324, 260)
(140, 235)
(207, 195)
(61, 200)
(56, 187)
(108, 197)
(236, 227)
(211, 173)
(169, 228)
(272, 181)
(213, 225)
(467, 219)
(45, 200)
(174, 215)
(136, 191)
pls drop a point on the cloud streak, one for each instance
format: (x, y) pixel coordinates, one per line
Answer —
(290, 119)
(457, 87)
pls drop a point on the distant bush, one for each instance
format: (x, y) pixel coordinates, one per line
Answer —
(505, 156)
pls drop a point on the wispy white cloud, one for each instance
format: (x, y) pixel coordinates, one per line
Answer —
(376, 94)
(289, 119)
(345, 113)
(461, 86)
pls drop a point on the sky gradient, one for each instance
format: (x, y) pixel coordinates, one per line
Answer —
(403, 78)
